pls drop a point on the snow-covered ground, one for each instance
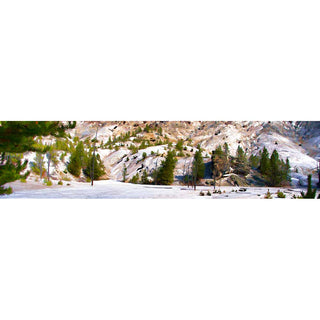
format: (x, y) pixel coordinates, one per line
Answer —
(110, 189)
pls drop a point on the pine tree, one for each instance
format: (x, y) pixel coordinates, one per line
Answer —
(95, 166)
(220, 162)
(78, 160)
(198, 167)
(38, 164)
(254, 161)
(275, 177)
(51, 157)
(124, 173)
(179, 145)
(10, 170)
(226, 149)
(165, 174)
(311, 194)
(19, 137)
(265, 162)
(144, 178)
(241, 164)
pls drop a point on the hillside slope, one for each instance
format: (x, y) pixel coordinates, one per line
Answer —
(142, 145)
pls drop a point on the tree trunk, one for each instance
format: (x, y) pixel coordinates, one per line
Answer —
(49, 161)
(40, 168)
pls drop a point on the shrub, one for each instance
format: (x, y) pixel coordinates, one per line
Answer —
(208, 193)
(280, 194)
(134, 179)
(23, 180)
(5, 190)
(60, 183)
(48, 183)
(201, 193)
(268, 195)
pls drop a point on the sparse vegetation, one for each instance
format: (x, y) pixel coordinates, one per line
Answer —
(280, 194)
(135, 179)
(268, 195)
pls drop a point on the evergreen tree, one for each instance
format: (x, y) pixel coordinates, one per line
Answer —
(10, 170)
(51, 157)
(276, 174)
(198, 167)
(311, 194)
(254, 161)
(94, 168)
(165, 174)
(241, 164)
(220, 163)
(226, 149)
(78, 160)
(19, 137)
(144, 178)
(124, 173)
(38, 164)
(265, 162)
(179, 145)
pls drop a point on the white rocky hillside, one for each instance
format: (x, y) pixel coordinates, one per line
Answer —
(298, 141)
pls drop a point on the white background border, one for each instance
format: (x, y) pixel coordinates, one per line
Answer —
(153, 259)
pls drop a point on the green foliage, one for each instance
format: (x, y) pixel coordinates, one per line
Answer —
(37, 166)
(10, 171)
(135, 179)
(311, 194)
(147, 128)
(220, 162)
(60, 183)
(94, 168)
(144, 155)
(78, 160)
(48, 183)
(241, 164)
(179, 145)
(133, 148)
(275, 171)
(265, 162)
(268, 195)
(4, 191)
(145, 177)
(63, 145)
(165, 174)
(18, 136)
(280, 194)
(254, 161)
(226, 149)
(279, 170)
(124, 173)
(198, 166)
